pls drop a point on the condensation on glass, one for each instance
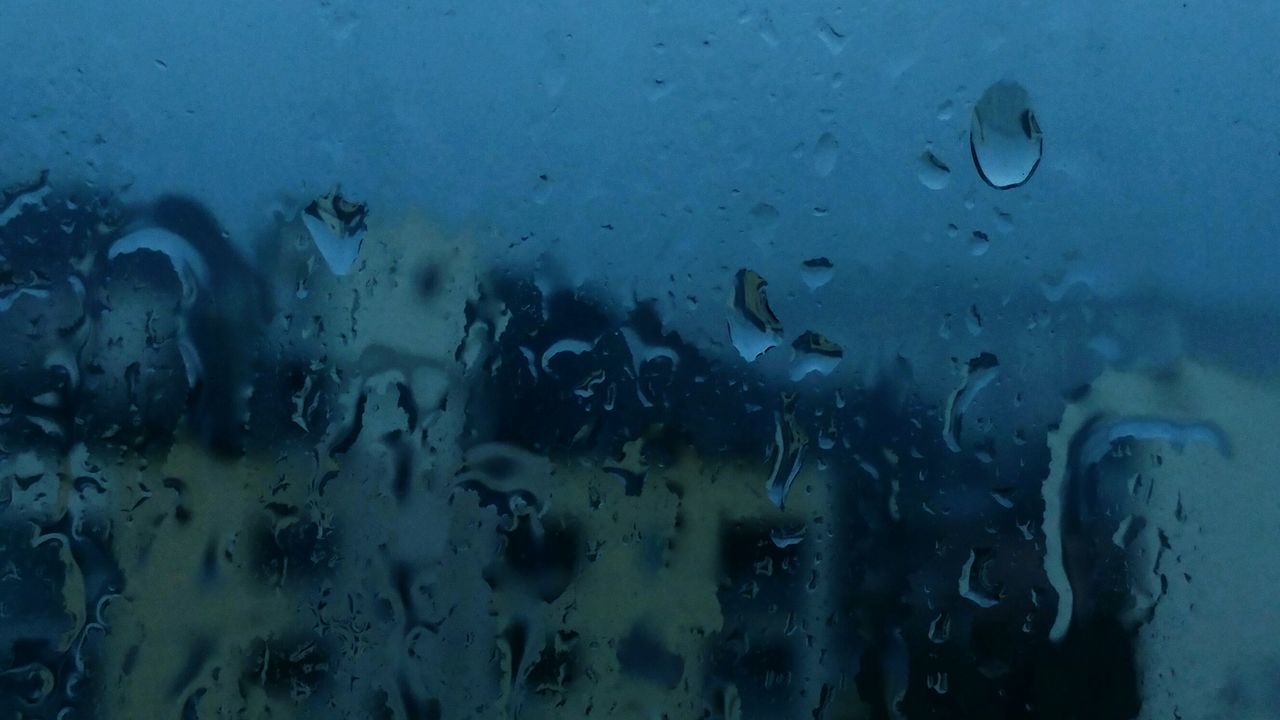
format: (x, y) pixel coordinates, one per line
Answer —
(651, 362)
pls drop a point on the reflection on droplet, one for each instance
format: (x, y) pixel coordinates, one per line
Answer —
(933, 173)
(753, 326)
(824, 154)
(1004, 137)
(817, 272)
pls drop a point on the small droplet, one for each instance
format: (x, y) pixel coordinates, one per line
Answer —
(542, 189)
(971, 585)
(933, 173)
(767, 31)
(824, 154)
(17, 198)
(817, 272)
(979, 373)
(1004, 222)
(946, 111)
(1005, 137)
(764, 223)
(979, 243)
(659, 89)
(974, 321)
(940, 628)
(784, 538)
(832, 38)
(162, 64)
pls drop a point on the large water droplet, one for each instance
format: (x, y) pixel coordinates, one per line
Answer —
(753, 327)
(1005, 137)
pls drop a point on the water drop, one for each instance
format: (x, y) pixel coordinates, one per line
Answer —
(338, 227)
(1004, 222)
(764, 222)
(553, 81)
(17, 198)
(659, 88)
(1004, 137)
(785, 538)
(933, 173)
(788, 453)
(816, 272)
(979, 373)
(979, 243)
(940, 628)
(971, 581)
(767, 31)
(542, 189)
(564, 346)
(824, 154)
(974, 321)
(832, 38)
(753, 327)
(813, 353)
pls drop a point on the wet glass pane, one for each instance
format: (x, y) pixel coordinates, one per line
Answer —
(639, 360)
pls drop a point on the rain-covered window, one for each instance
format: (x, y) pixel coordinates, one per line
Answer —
(639, 360)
